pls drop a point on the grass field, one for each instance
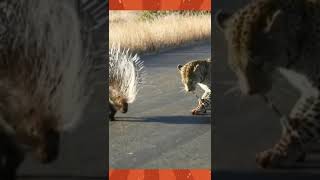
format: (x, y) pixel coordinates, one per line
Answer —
(143, 31)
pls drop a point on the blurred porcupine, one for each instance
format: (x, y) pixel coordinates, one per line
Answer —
(43, 79)
(126, 77)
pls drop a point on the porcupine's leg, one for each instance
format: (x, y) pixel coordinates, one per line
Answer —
(11, 157)
(303, 128)
(112, 113)
(203, 103)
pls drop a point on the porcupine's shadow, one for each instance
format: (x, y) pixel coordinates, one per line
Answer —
(199, 119)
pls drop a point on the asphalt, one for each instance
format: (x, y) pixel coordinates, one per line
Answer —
(245, 125)
(159, 130)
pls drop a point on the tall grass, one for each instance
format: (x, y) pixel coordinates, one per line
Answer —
(124, 16)
(167, 30)
(150, 15)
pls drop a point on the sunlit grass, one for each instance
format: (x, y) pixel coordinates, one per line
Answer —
(128, 30)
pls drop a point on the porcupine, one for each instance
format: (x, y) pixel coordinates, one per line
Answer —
(43, 79)
(126, 77)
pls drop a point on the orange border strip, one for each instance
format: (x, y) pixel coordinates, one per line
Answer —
(160, 174)
(160, 5)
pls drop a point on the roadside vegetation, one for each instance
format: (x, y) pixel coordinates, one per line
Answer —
(146, 31)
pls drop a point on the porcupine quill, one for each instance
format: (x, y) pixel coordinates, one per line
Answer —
(126, 78)
(43, 80)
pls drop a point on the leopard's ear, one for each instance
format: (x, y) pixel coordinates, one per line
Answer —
(273, 23)
(179, 67)
(221, 19)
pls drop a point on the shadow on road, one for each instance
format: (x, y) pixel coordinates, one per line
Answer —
(201, 119)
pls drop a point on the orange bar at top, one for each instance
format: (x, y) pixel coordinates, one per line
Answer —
(160, 5)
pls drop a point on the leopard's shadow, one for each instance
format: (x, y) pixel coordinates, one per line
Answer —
(200, 119)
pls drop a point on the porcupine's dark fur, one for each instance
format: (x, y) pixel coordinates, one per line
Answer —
(126, 77)
(42, 79)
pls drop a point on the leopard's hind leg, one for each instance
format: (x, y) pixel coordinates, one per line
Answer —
(302, 129)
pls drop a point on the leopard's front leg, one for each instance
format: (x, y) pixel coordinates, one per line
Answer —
(302, 129)
(203, 103)
(286, 152)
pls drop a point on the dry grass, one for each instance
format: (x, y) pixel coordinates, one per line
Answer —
(165, 31)
(123, 16)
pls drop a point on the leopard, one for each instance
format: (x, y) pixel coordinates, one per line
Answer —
(270, 36)
(197, 72)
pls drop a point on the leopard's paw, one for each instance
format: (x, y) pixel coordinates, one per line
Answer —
(200, 109)
(197, 111)
(270, 158)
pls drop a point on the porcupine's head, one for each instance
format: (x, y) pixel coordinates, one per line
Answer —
(120, 103)
(32, 123)
(42, 134)
(117, 99)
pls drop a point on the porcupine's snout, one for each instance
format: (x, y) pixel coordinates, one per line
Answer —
(46, 137)
(124, 107)
(121, 104)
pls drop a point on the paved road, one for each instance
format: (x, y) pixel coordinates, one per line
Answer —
(245, 125)
(159, 131)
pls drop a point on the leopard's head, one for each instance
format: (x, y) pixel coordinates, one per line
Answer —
(256, 46)
(190, 75)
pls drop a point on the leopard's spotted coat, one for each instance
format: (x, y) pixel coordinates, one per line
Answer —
(197, 72)
(282, 35)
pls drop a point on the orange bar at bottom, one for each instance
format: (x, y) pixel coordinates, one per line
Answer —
(160, 174)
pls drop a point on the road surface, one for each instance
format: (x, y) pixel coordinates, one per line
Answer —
(245, 125)
(159, 130)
